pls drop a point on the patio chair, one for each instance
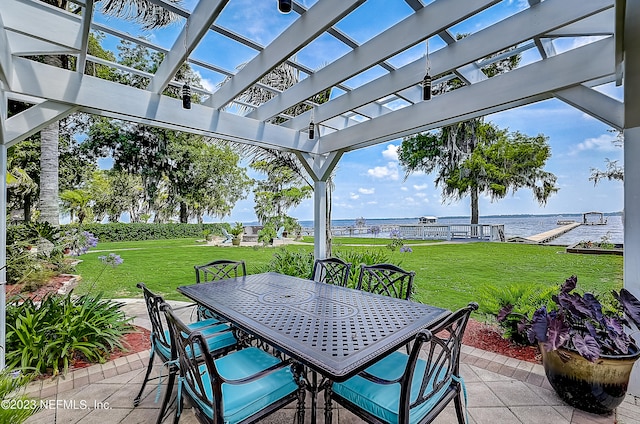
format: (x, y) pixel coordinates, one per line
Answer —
(403, 388)
(228, 237)
(219, 340)
(386, 279)
(243, 386)
(280, 233)
(331, 271)
(217, 270)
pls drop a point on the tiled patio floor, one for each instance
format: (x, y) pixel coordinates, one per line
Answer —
(500, 390)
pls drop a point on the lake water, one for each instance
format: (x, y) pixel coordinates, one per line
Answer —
(519, 225)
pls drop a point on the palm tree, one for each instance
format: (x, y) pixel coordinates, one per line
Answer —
(150, 16)
(281, 78)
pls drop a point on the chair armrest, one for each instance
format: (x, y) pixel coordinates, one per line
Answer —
(378, 380)
(261, 374)
(190, 305)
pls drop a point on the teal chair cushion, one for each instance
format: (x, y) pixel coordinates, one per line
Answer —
(382, 400)
(214, 341)
(244, 400)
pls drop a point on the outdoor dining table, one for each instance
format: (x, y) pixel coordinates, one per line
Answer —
(334, 331)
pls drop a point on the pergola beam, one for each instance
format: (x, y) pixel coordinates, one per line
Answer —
(495, 93)
(39, 80)
(84, 43)
(45, 22)
(5, 54)
(319, 17)
(523, 26)
(196, 27)
(32, 120)
(416, 28)
(594, 103)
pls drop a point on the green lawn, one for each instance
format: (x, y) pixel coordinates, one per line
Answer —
(447, 275)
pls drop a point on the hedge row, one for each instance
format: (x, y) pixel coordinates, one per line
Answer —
(142, 231)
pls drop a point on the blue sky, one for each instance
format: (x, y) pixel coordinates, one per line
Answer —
(370, 182)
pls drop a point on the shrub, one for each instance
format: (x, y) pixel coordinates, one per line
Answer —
(368, 257)
(289, 262)
(50, 334)
(511, 306)
(32, 249)
(143, 231)
(16, 408)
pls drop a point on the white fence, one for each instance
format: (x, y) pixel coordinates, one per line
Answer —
(488, 232)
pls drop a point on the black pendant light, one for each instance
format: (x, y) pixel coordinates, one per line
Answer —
(186, 96)
(312, 127)
(426, 81)
(284, 6)
(426, 87)
(312, 130)
(186, 90)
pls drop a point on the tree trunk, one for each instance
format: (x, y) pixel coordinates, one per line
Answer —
(27, 208)
(49, 207)
(184, 213)
(474, 206)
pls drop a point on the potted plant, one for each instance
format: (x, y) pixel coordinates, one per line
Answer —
(586, 352)
(236, 231)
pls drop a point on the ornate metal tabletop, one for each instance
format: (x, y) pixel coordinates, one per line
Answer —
(334, 330)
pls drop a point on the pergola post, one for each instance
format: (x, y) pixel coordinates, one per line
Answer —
(320, 219)
(3, 253)
(320, 168)
(631, 155)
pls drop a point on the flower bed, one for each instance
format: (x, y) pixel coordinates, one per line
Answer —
(596, 248)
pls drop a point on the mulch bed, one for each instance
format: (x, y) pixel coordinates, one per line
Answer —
(487, 337)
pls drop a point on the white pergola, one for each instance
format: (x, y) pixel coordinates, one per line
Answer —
(376, 89)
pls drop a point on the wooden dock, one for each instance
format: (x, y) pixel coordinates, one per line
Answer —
(547, 236)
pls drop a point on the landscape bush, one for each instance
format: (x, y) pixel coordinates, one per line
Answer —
(512, 305)
(18, 407)
(46, 336)
(297, 263)
(142, 231)
(367, 257)
(34, 252)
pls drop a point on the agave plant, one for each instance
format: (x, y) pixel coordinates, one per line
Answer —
(579, 323)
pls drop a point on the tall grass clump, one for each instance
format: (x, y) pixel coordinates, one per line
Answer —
(46, 336)
(295, 263)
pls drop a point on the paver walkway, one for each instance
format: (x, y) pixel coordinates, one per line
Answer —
(500, 390)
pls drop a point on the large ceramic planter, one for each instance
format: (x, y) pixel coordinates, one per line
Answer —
(597, 387)
(236, 240)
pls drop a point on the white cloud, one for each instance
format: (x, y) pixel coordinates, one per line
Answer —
(391, 153)
(420, 187)
(206, 84)
(389, 172)
(404, 188)
(421, 194)
(372, 203)
(354, 196)
(366, 190)
(603, 143)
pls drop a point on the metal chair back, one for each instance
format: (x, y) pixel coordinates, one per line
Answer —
(219, 270)
(160, 342)
(331, 271)
(387, 280)
(442, 346)
(201, 380)
(428, 379)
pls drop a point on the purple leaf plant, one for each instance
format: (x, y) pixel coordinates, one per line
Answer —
(579, 323)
